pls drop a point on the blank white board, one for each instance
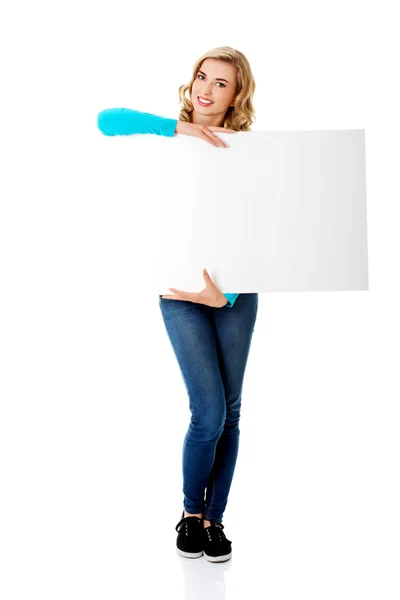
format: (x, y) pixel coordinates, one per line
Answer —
(273, 212)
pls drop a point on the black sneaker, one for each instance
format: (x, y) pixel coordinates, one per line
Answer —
(216, 546)
(189, 542)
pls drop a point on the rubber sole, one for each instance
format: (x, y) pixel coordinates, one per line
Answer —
(190, 554)
(218, 558)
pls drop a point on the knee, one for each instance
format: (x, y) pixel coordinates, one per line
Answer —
(208, 429)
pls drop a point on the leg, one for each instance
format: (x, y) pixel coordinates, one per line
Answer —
(192, 336)
(234, 330)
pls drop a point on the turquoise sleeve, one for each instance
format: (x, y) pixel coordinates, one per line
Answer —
(231, 299)
(126, 121)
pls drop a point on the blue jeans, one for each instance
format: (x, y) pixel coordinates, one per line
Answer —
(211, 346)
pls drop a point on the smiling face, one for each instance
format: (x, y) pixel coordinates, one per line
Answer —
(216, 81)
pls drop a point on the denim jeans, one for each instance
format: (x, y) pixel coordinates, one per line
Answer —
(211, 346)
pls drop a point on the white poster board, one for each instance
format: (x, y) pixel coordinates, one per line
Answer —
(274, 212)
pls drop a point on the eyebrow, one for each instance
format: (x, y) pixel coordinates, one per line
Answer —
(217, 79)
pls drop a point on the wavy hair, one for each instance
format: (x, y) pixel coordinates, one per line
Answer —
(240, 116)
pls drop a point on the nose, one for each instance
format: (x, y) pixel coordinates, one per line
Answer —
(207, 92)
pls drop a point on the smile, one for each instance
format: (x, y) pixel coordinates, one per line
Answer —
(203, 101)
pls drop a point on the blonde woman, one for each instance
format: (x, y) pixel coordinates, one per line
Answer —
(210, 332)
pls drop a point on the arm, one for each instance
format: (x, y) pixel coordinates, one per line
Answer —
(231, 299)
(126, 121)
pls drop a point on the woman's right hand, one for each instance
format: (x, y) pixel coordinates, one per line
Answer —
(202, 131)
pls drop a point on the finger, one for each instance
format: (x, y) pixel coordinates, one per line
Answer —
(207, 277)
(209, 139)
(188, 294)
(216, 141)
(182, 295)
(178, 295)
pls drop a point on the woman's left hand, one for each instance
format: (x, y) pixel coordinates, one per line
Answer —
(210, 296)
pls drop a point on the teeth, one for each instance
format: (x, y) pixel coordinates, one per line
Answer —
(205, 101)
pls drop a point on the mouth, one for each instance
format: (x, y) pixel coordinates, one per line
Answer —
(199, 100)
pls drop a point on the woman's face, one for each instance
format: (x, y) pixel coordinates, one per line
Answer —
(216, 81)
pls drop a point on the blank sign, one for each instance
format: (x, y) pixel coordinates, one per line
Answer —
(273, 212)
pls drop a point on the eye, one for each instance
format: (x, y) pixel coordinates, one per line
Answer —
(200, 75)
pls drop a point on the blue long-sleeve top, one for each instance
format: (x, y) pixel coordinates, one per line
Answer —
(126, 121)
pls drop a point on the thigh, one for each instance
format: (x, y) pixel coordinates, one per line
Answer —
(234, 329)
(192, 335)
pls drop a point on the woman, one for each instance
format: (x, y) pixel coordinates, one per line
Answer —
(210, 332)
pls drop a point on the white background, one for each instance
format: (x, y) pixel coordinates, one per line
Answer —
(93, 407)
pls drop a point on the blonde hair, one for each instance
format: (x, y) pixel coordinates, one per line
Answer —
(240, 116)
